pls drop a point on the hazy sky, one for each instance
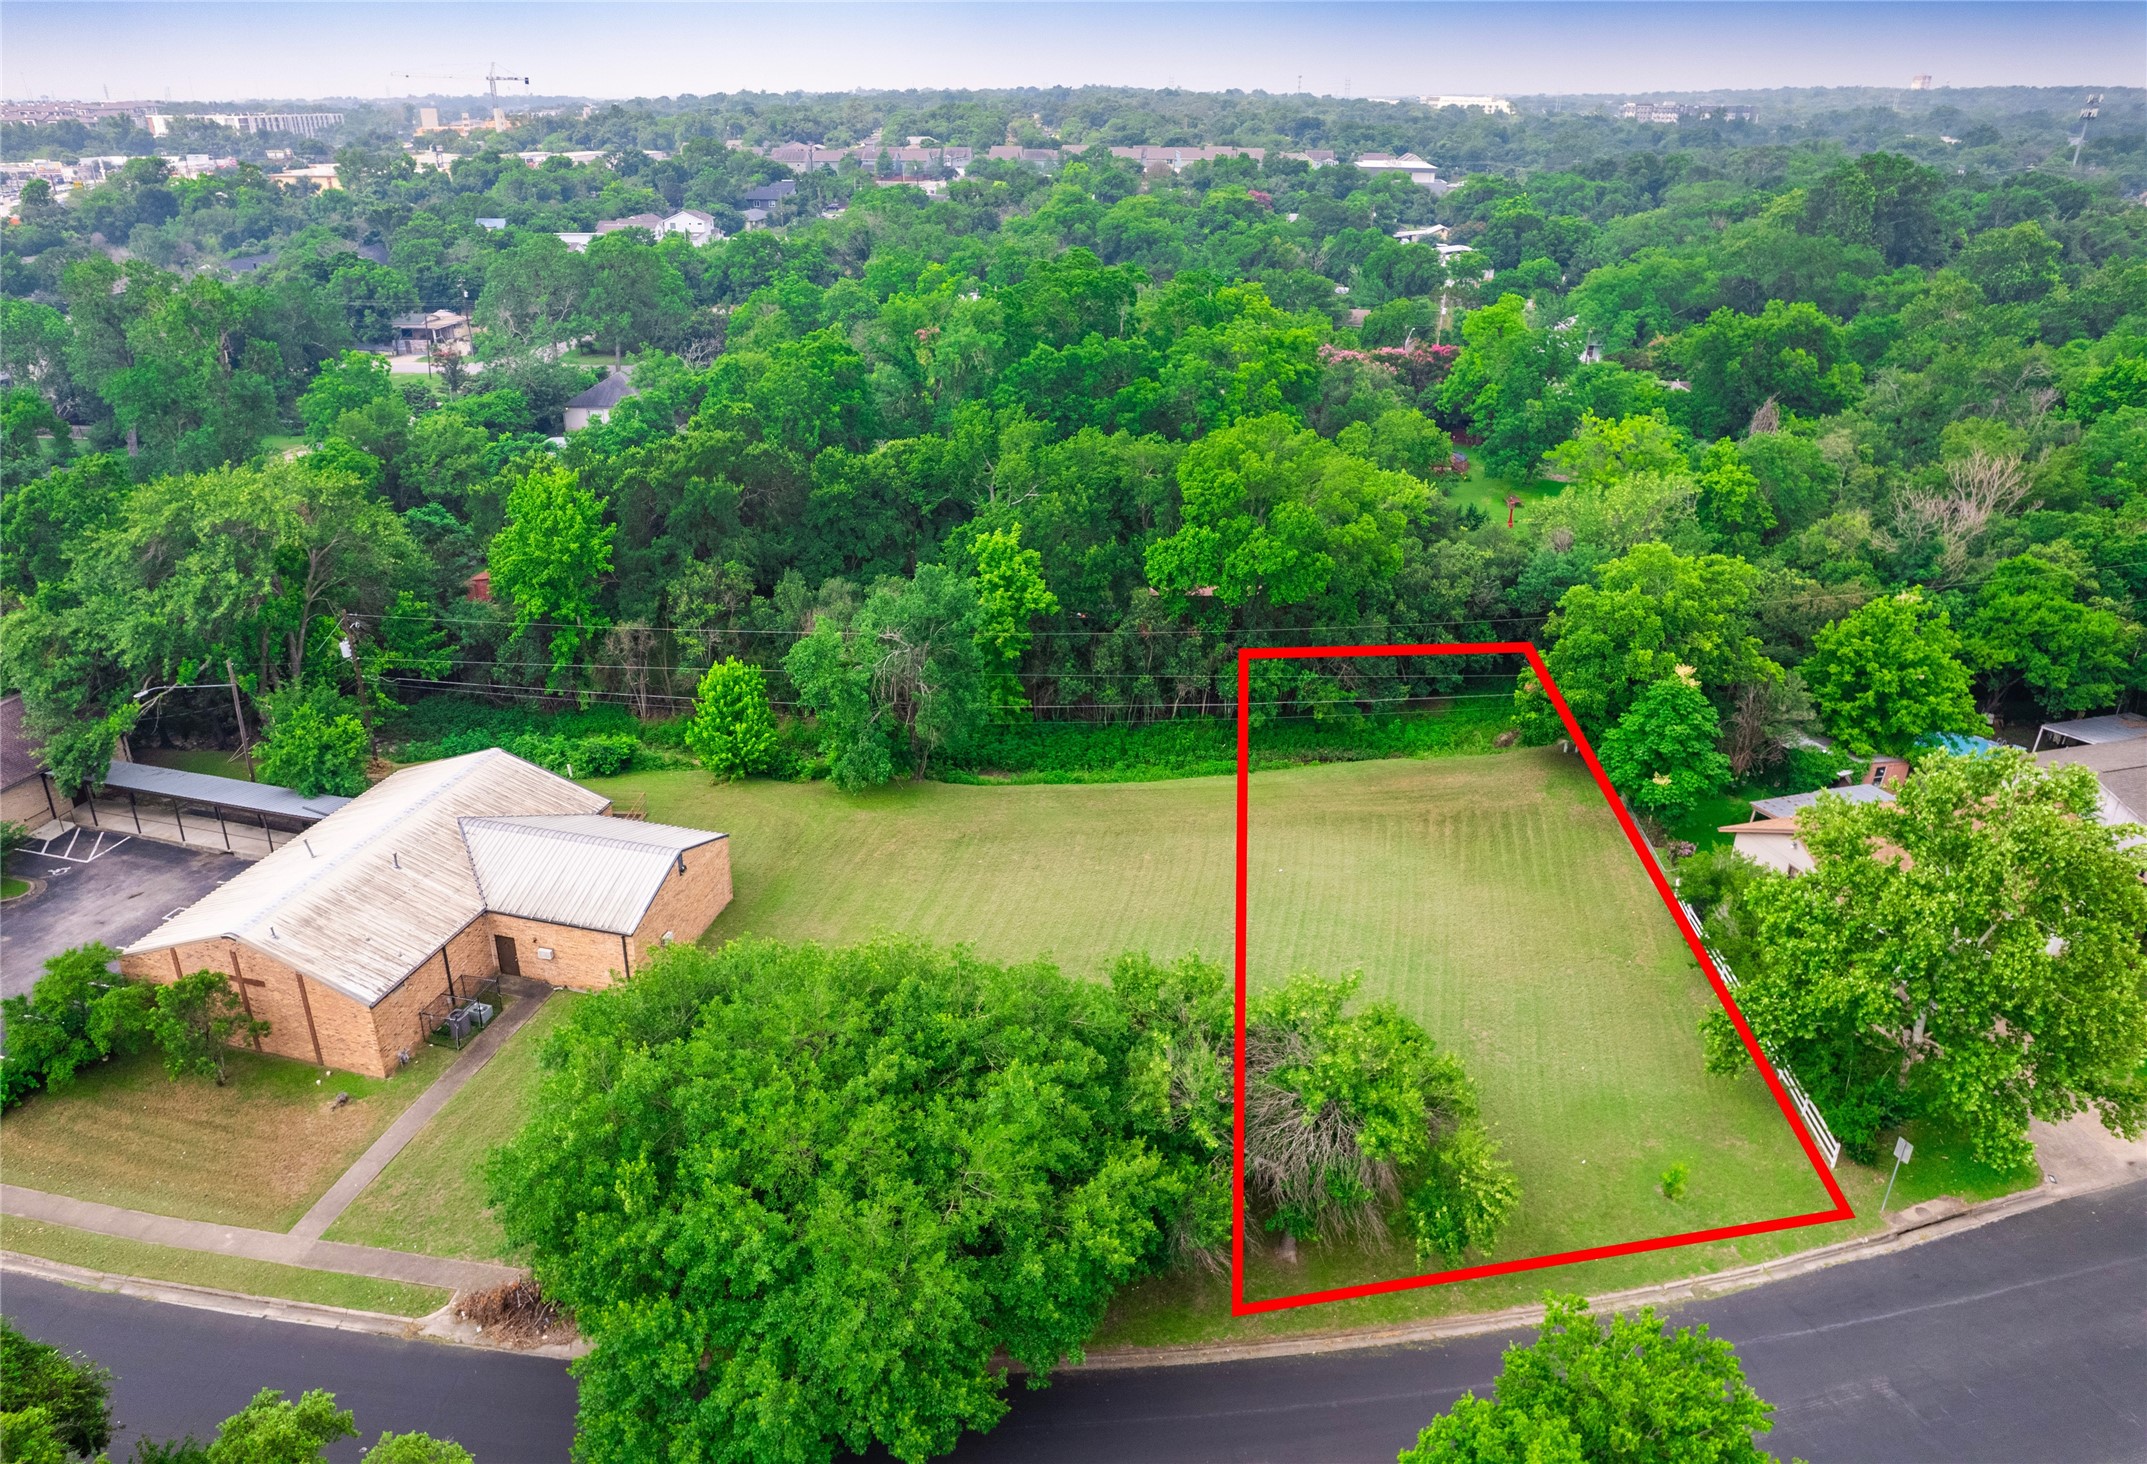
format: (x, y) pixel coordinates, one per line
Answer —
(311, 48)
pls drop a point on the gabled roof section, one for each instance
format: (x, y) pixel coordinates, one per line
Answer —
(1788, 805)
(609, 392)
(367, 895)
(589, 871)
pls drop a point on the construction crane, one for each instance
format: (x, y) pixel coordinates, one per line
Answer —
(491, 79)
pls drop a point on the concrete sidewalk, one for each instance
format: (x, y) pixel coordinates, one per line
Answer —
(254, 1245)
(528, 996)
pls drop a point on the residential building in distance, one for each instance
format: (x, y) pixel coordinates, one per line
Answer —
(1921, 81)
(425, 332)
(1421, 173)
(1672, 113)
(318, 175)
(775, 192)
(651, 222)
(595, 404)
(691, 224)
(1486, 105)
(305, 124)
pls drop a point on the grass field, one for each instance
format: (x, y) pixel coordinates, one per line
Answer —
(257, 1153)
(1489, 493)
(431, 1197)
(217, 762)
(121, 1257)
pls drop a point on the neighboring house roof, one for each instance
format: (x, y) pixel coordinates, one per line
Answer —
(18, 759)
(771, 192)
(494, 224)
(647, 221)
(1960, 744)
(576, 869)
(2120, 727)
(606, 394)
(370, 893)
(2121, 769)
(134, 777)
(1786, 807)
(697, 215)
(1784, 826)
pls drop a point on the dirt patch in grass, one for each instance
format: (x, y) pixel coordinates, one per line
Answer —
(119, 1257)
(257, 1153)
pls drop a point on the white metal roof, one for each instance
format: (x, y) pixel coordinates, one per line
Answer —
(579, 869)
(1787, 805)
(2090, 731)
(367, 895)
(134, 777)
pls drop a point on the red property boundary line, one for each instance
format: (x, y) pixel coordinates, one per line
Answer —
(1239, 1306)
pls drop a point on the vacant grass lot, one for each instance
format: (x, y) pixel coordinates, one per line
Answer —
(256, 1153)
(431, 1197)
(122, 1257)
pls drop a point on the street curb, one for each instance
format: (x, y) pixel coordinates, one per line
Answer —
(443, 1326)
(440, 1326)
(1666, 1293)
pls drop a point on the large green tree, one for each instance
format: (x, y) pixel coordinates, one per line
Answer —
(1968, 954)
(549, 561)
(2040, 621)
(1890, 673)
(1648, 614)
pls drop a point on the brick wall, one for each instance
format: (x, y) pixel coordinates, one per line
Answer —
(349, 1036)
(587, 960)
(33, 803)
(687, 903)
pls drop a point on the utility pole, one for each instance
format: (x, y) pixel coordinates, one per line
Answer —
(349, 649)
(238, 709)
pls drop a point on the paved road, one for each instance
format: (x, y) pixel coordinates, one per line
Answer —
(2022, 1341)
(118, 897)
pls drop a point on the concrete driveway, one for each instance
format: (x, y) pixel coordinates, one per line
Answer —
(120, 896)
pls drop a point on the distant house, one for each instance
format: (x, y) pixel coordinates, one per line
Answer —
(1433, 232)
(651, 222)
(1772, 836)
(576, 241)
(429, 331)
(756, 218)
(2092, 731)
(692, 225)
(595, 404)
(2120, 769)
(1419, 172)
(494, 225)
(317, 175)
(774, 192)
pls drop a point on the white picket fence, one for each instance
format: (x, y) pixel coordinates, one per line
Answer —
(1814, 1121)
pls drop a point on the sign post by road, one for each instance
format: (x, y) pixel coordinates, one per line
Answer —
(1903, 1149)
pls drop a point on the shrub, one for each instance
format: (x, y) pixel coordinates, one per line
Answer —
(315, 743)
(732, 731)
(71, 1395)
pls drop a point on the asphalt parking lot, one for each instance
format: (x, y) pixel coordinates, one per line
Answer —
(120, 896)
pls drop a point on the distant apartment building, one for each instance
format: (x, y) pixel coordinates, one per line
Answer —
(1486, 105)
(1921, 81)
(1675, 112)
(305, 124)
